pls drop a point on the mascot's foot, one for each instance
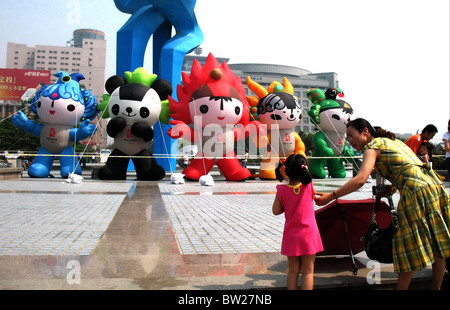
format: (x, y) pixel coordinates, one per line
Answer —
(65, 171)
(340, 175)
(38, 171)
(192, 175)
(105, 173)
(317, 173)
(267, 175)
(197, 168)
(240, 175)
(232, 169)
(154, 174)
(191, 180)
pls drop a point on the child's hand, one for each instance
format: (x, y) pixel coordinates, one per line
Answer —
(322, 199)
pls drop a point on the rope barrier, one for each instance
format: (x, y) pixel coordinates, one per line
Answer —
(165, 156)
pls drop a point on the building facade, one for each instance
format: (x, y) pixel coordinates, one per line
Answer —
(265, 74)
(84, 53)
(301, 80)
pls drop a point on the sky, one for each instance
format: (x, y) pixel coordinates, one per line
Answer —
(391, 56)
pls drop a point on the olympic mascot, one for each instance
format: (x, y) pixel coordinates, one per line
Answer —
(61, 107)
(212, 111)
(134, 103)
(281, 111)
(331, 114)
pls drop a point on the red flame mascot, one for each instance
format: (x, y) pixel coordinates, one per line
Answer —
(212, 100)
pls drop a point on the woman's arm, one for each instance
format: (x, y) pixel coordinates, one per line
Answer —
(368, 163)
(277, 208)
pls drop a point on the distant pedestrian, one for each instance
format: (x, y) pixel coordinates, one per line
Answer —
(244, 162)
(301, 237)
(426, 135)
(446, 140)
(185, 160)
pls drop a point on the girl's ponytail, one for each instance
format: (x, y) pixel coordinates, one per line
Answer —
(305, 176)
(278, 172)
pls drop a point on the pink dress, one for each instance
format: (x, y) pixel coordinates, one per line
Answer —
(301, 235)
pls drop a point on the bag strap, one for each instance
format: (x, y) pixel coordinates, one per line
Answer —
(391, 205)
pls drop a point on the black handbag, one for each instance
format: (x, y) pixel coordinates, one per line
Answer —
(378, 241)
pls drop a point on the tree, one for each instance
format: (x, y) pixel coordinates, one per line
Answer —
(13, 138)
(308, 140)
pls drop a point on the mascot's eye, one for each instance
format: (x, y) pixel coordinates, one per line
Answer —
(66, 79)
(115, 109)
(237, 110)
(144, 112)
(204, 109)
(38, 104)
(70, 107)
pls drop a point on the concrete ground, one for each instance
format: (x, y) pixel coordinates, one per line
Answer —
(135, 235)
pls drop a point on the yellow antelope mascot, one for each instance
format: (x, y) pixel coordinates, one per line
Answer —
(280, 110)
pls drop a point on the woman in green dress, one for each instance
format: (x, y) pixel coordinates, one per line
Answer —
(423, 236)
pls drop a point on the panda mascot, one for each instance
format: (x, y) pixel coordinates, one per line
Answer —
(134, 103)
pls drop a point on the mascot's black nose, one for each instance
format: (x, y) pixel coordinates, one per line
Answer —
(129, 110)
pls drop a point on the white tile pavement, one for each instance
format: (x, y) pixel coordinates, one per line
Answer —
(234, 217)
(208, 224)
(54, 217)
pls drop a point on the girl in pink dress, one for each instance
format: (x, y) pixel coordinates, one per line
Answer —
(301, 237)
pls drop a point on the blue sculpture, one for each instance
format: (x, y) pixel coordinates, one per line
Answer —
(60, 106)
(157, 17)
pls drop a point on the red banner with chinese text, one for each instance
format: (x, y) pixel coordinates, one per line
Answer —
(15, 82)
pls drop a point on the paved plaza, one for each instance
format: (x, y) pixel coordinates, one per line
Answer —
(155, 235)
(49, 218)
